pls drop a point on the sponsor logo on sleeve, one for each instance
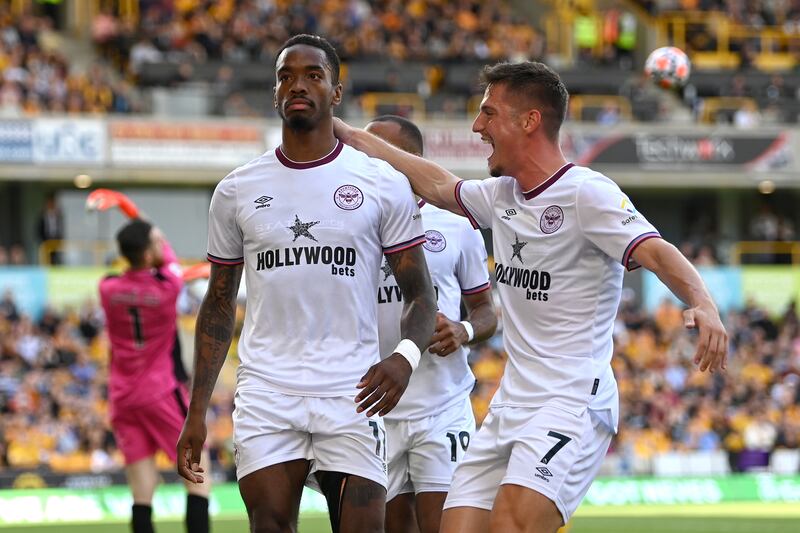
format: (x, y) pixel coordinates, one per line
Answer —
(627, 206)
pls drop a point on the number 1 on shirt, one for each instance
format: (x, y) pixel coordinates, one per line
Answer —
(136, 320)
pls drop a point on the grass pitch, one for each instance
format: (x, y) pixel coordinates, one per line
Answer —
(721, 518)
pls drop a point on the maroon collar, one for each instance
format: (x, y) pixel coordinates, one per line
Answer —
(539, 189)
(420, 203)
(309, 164)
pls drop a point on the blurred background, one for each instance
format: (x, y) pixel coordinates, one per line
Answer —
(162, 98)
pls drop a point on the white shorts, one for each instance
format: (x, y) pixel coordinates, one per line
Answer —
(423, 453)
(551, 451)
(271, 428)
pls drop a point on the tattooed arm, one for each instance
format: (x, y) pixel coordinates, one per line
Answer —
(213, 333)
(384, 383)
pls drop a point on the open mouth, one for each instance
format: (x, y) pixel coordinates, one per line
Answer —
(488, 141)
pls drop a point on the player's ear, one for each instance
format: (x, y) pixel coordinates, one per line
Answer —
(531, 120)
(275, 97)
(337, 94)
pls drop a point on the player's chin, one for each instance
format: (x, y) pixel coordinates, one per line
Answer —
(300, 121)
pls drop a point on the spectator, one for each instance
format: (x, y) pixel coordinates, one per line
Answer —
(51, 228)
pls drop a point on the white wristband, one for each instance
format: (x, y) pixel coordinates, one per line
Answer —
(470, 330)
(410, 351)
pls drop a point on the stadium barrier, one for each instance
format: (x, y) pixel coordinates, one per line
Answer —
(113, 504)
(772, 287)
(203, 151)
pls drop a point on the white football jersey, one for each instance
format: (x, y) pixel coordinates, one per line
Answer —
(560, 251)
(311, 237)
(456, 259)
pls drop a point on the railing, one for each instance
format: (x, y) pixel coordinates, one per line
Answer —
(395, 103)
(775, 43)
(765, 248)
(96, 250)
(714, 105)
(581, 102)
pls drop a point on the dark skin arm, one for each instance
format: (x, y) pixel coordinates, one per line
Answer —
(449, 335)
(213, 334)
(384, 383)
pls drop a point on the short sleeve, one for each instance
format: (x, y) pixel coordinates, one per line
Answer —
(401, 221)
(472, 268)
(476, 198)
(610, 221)
(225, 242)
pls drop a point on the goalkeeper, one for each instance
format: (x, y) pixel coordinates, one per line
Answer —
(146, 385)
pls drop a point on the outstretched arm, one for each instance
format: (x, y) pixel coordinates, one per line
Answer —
(213, 334)
(430, 181)
(384, 383)
(677, 273)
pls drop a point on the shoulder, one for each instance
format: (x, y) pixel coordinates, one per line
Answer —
(585, 176)
(359, 161)
(256, 166)
(456, 223)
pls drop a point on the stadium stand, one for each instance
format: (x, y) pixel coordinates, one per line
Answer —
(36, 76)
(53, 397)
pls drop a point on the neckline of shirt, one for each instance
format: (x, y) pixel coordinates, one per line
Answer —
(303, 165)
(539, 189)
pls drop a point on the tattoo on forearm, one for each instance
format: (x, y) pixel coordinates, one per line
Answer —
(419, 300)
(214, 329)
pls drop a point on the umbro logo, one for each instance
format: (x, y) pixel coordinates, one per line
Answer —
(509, 213)
(263, 201)
(544, 471)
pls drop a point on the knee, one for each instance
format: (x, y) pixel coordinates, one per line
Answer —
(267, 520)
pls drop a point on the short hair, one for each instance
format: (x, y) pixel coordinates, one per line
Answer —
(133, 240)
(409, 130)
(317, 42)
(534, 80)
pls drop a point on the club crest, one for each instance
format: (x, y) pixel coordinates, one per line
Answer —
(551, 220)
(434, 241)
(348, 197)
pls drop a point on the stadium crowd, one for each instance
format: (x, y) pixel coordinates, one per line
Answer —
(240, 31)
(53, 375)
(37, 78)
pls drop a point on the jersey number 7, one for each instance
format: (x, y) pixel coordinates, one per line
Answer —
(562, 441)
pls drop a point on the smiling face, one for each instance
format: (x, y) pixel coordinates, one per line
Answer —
(501, 125)
(304, 91)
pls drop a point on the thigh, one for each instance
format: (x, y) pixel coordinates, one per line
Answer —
(268, 429)
(347, 442)
(477, 477)
(438, 448)
(429, 510)
(401, 516)
(272, 495)
(557, 454)
(519, 509)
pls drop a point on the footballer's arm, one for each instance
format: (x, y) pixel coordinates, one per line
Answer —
(677, 273)
(213, 333)
(430, 181)
(450, 335)
(384, 383)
